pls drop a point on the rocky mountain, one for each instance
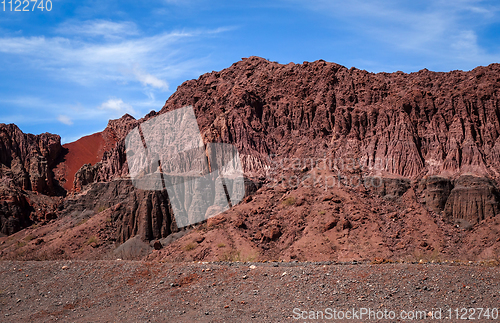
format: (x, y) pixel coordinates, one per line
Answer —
(349, 164)
(26, 164)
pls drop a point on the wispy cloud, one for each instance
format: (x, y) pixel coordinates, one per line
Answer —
(65, 120)
(440, 30)
(89, 60)
(117, 105)
(150, 80)
(101, 58)
(43, 111)
(29, 102)
(99, 28)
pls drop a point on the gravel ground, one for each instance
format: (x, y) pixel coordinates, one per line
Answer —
(128, 291)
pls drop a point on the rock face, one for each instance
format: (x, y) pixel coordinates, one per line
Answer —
(408, 125)
(437, 191)
(41, 165)
(26, 167)
(29, 160)
(472, 199)
(388, 187)
(428, 133)
(403, 124)
(14, 210)
(98, 150)
(147, 214)
(468, 199)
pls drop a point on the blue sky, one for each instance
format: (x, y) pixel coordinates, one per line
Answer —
(69, 70)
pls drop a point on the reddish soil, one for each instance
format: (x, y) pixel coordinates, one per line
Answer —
(341, 223)
(86, 150)
(274, 224)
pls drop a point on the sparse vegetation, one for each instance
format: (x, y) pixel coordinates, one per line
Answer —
(289, 201)
(251, 257)
(47, 255)
(29, 237)
(190, 246)
(102, 208)
(380, 260)
(221, 245)
(234, 255)
(82, 222)
(322, 212)
(231, 255)
(21, 244)
(422, 257)
(91, 240)
(491, 263)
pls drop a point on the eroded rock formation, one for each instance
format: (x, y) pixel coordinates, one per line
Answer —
(438, 131)
(147, 214)
(28, 160)
(403, 125)
(472, 199)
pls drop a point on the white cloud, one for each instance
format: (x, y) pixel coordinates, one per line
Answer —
(151, 80)
(29, 102)
(465, 44)
(65, 119)
(102, 58)
(42, 111)
(88, 61)
(117, 105)
(99, 28)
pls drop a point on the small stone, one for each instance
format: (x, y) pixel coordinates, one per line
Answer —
(252, 267)
(346, 225)
(64, 267)
(157, 245)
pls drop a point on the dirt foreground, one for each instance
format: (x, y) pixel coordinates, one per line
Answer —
(129, 291)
